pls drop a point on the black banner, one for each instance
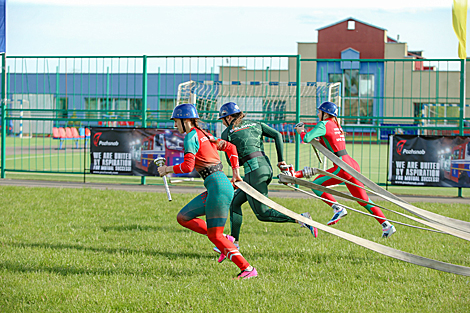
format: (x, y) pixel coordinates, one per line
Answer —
(131, 151)
(440, 161)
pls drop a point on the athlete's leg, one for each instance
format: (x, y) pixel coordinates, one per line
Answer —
(236, 215)
(260, 179)
(338, 211)
(216, 236)
(187, 216)
(219, 197)
(359, 192)
(327, 181)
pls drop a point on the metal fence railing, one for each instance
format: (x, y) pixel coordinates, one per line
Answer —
(376, 98)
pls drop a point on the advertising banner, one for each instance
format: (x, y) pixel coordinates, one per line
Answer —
(131, 151)
(440, 161)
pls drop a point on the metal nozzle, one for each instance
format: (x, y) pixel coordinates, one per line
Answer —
(160, 161)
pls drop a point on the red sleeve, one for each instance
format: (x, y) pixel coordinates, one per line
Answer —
(187, 166)
(302, 135)
(230, 150)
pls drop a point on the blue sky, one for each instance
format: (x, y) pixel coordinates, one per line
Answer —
(101, 27)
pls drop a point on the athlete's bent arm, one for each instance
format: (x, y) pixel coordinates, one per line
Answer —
(232, 156)
(278, 140)
(318, 131)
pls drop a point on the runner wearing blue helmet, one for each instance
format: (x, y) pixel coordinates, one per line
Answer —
(201, 152)
(330, 134)
(329, 108)
(247, 136)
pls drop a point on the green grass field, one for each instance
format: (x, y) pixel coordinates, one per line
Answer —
(86, 250)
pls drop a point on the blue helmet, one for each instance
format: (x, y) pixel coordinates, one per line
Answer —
(227, 109)
(185, 110)
(328, 107)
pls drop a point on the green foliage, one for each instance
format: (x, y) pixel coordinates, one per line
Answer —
(86, 250)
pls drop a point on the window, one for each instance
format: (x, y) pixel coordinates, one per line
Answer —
(135, 105)
(62, 107)
(351, 83)
(335, 78)
(359, 91)
(166, 108)
(91, 105)
(351, 25)
(122, 108)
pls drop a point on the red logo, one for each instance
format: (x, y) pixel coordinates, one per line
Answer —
(96, 139)
(400, 145)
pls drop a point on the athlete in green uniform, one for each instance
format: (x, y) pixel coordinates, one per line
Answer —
(247, 136)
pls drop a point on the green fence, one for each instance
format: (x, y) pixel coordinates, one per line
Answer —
(376, 98)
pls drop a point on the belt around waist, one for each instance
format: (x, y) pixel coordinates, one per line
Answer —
(340, 153)
(251, 156)
(206, 171)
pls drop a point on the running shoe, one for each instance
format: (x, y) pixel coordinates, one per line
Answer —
(307, 215)
(339, 212)
(247, 274)
(312, 229)
(387, 229)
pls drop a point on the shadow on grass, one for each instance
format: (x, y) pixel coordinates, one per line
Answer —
(73, 270)
(132, 228)
(317, 257)
(147, 252)
(137, 228)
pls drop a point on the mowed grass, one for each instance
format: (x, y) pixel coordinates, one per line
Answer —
(86, 250)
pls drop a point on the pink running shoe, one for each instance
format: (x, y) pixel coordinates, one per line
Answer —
(247, 274)
(222, 256)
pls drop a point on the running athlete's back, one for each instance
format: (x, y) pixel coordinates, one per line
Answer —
(248, 138)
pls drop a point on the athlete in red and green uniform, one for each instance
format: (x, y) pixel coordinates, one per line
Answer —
(331, 135)
(200, 150)
(247, 136)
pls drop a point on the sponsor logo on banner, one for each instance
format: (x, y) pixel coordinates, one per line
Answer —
(97, 142)
(109, 143)
(400, 149)
(400, 145)
(411, 151)
(96, 139)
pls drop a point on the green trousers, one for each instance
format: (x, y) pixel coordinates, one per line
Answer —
(258, 179)
(213, 203)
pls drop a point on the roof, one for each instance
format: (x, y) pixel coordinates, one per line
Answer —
(350, 19)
